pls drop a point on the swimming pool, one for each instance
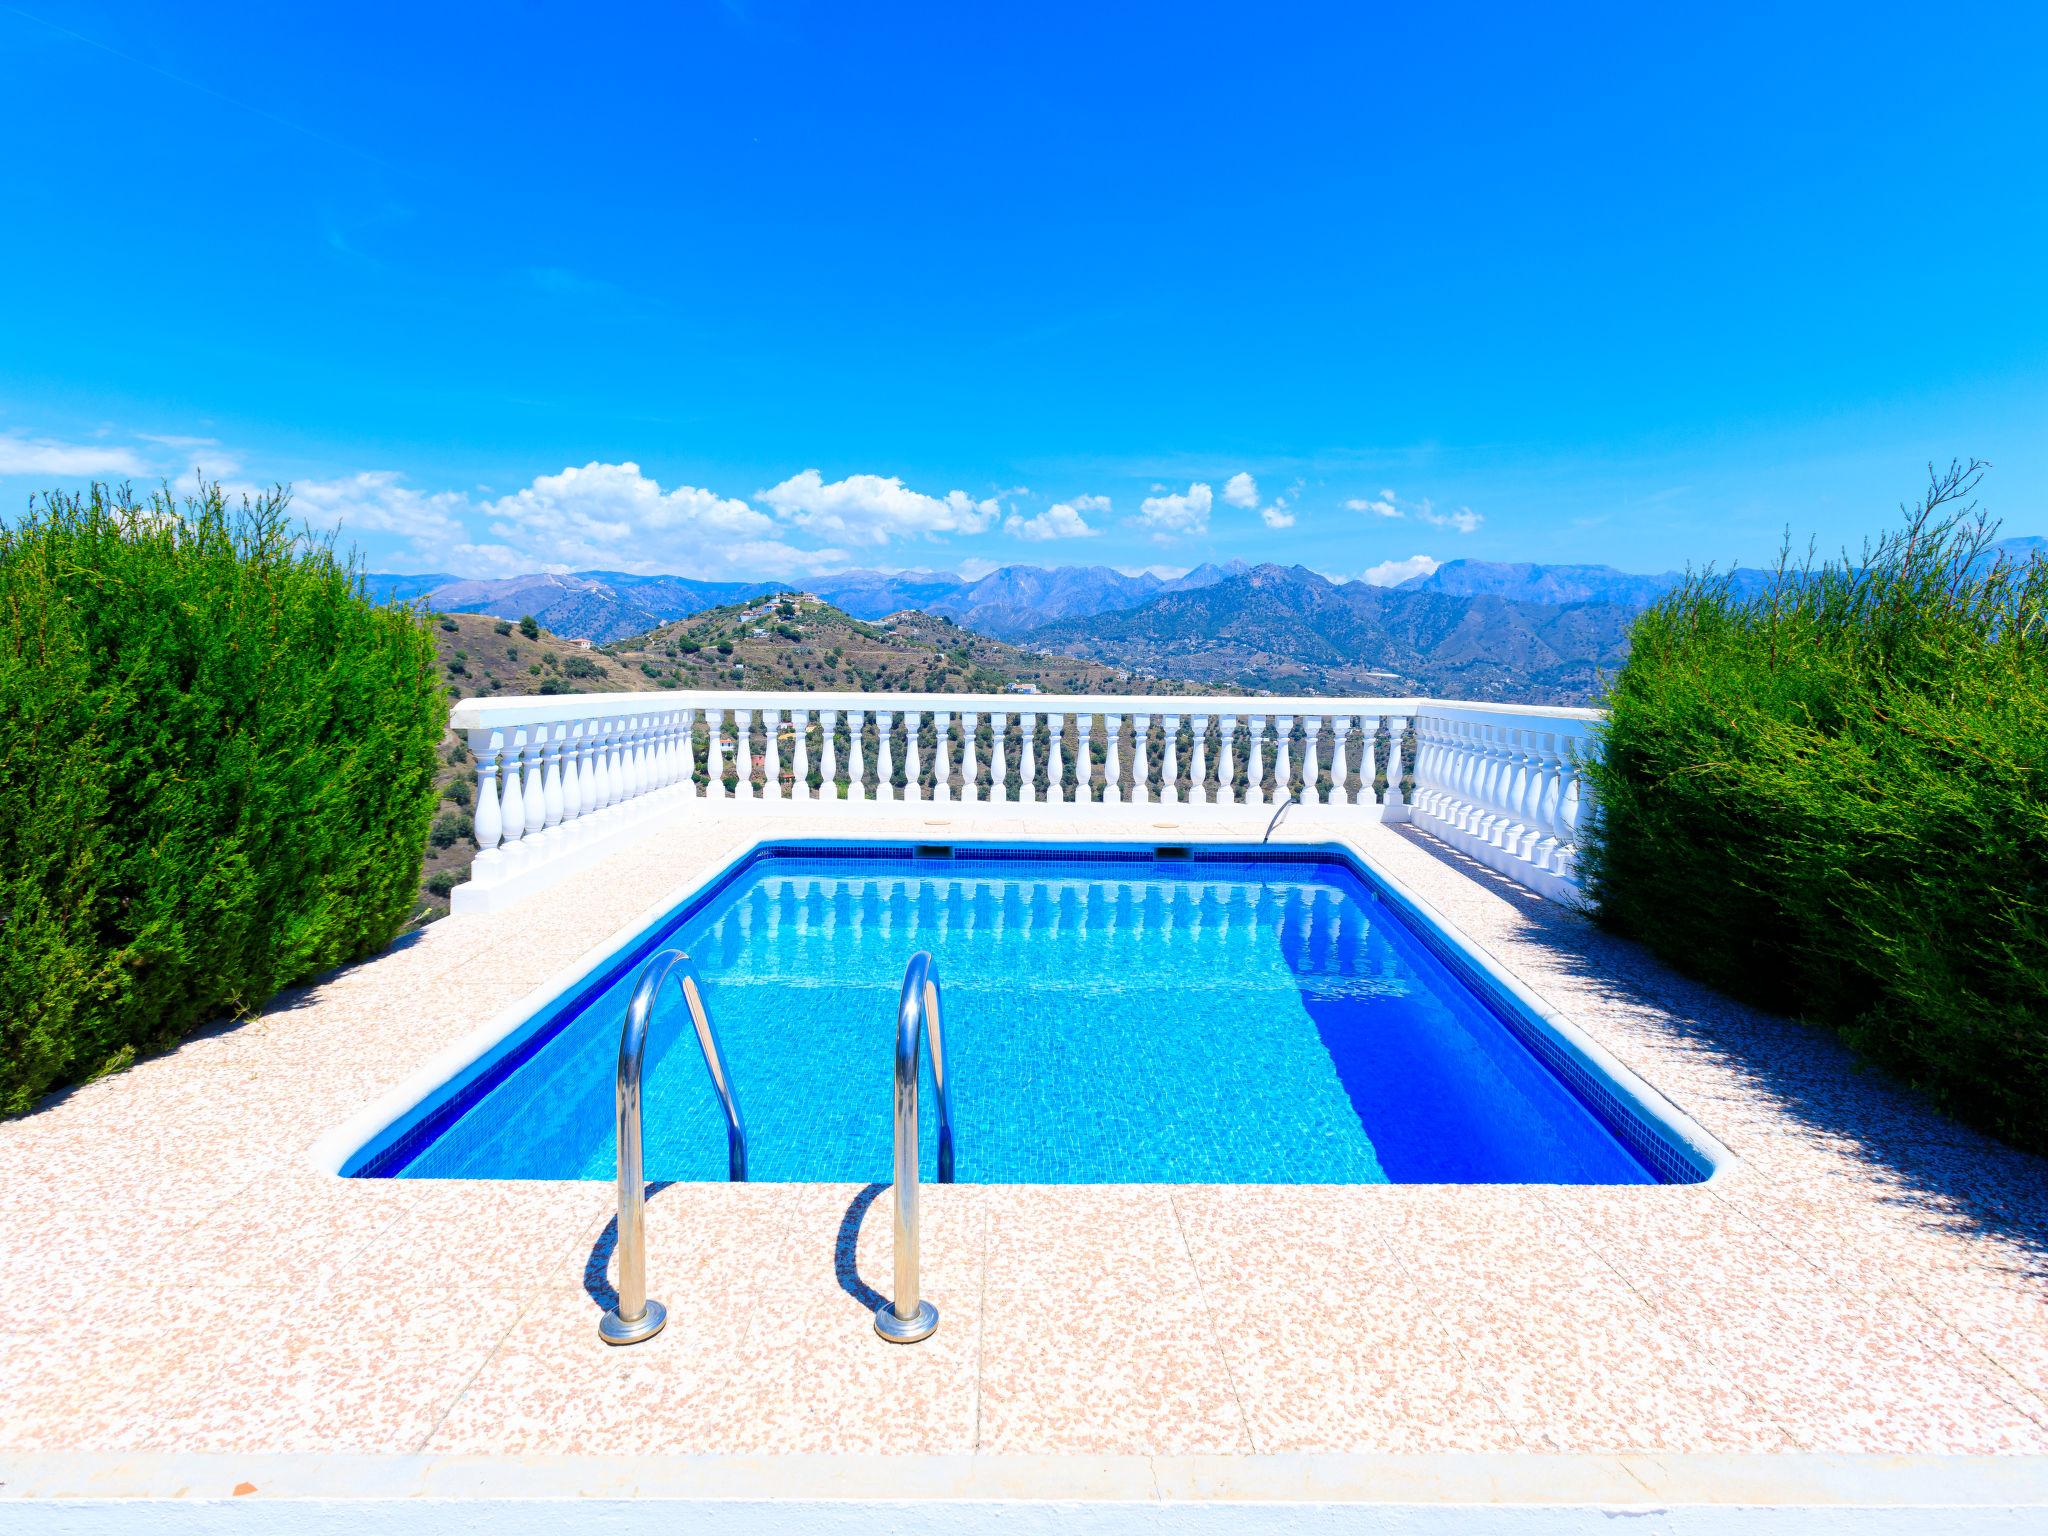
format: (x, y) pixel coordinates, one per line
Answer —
(1206, 1014)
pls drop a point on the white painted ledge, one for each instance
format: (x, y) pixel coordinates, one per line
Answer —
(1471, 1494)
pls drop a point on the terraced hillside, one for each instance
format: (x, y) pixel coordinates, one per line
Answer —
(798, 641)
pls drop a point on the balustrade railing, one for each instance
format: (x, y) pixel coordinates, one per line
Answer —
(565, 778)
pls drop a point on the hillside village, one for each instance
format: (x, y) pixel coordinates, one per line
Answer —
(795, 640)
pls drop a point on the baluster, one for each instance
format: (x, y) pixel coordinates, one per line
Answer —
(715, 759)
(1513, 785)
(1482, 819)
(885, 755)
(1395, 807)
(856, 750)
(1027, 726)
(970, 756)
(771, 753)
(828, 754)
(1078, 756)
(942, 746)
(686, 753)
(913, 755)
(1312, 760)
(626, 775)
(800, 741)
(597, 769)
(1198, 787)
(1171, 768)
(533, 755)
(1470, 814)
(551, 781)
(1228, 756)
(647, 740)
(1285, 767)
(617, 777)
(1441, 777)
(618, 758)
(1113, 762)
(573, 775)
(1571, 807)
(1522, 787)
(743, 753)
(633, 756)
(512, 801)
(1141, 759)
(663, 749)
(489, 822)
(1340, 760)
(1432, 764)
(1055, 759)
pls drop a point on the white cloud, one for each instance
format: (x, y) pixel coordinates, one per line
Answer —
(873, 509)
(1090, 503)
(46, 456)
(1465, 520)
(1173, 516)
(1241, 490)
(1277, 516)
(1391, 573)
(195, 455)
(605, 516)
(1387, 504)
(973, 568)
(601, 505)
(378, 501)
(1381, 506)
(1061, 520)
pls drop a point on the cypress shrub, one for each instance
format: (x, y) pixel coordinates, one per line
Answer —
(1831, 799)
(217, 765)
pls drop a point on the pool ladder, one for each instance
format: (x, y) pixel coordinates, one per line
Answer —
(909, 1317)
(636, 1317)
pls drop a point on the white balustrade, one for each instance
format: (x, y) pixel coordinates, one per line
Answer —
(565, 778)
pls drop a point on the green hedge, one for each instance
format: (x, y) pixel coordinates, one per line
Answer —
(1832, 800)
(216, 772)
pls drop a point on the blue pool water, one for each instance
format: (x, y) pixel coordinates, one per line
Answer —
(1108, 1020)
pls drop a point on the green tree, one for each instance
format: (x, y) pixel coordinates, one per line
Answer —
(217, 771)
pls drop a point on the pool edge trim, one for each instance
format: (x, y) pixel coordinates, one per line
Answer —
(386, 1119)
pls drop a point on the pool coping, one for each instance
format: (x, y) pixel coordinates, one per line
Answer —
(386, 1120)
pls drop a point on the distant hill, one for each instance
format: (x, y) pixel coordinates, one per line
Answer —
(1525, 583)
(1288, 629)
(585, 605)
(799, 642)
(612, 605)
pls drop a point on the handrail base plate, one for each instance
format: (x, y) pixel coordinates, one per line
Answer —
(614, 1329)
(896, 1330)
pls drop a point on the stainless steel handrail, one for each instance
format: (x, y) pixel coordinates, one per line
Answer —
(636, 1317)
(910, 1317)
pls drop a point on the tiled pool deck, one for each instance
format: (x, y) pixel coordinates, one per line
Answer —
(176, 1277)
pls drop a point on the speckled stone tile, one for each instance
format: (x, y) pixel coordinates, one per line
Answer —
(1868, 1277)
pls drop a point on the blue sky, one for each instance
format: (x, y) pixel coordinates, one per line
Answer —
(761, 289)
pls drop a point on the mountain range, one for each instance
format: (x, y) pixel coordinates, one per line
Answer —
(612, 605)
(1469, 628)
(1287, 629)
